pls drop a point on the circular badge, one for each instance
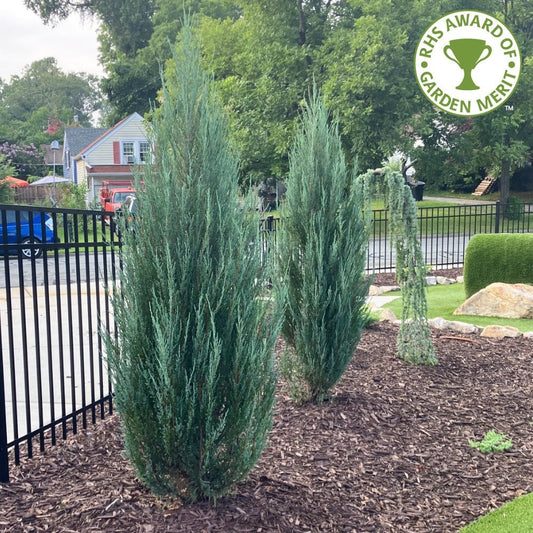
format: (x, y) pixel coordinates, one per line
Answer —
(467, 63)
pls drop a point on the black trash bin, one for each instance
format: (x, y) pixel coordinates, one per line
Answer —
(417, 189)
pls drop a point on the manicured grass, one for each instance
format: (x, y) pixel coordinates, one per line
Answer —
(444, 299)
(436, 218)
(380, 204)
(447, 218)
(524, 196)
(514, 517)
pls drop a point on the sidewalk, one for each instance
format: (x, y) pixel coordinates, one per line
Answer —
(52, 358)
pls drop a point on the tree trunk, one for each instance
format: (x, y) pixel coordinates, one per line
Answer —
(505, 181)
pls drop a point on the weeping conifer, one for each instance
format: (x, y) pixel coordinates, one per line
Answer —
(323, 244)
(192, 363)
(414, 336)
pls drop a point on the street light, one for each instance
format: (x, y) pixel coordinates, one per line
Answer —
(54, 145)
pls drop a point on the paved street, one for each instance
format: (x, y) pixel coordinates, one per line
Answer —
(63, 365)
(71, 268)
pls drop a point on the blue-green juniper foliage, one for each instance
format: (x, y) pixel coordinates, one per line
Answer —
(322, 257)
(192, 364)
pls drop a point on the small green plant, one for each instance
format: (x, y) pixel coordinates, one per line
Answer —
(492, 442)
(73, 196)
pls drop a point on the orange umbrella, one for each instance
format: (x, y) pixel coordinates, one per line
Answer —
(15, 182)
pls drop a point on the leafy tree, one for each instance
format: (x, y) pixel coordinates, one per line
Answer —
(41, 95)
(502, 140)
(261, 79)
(193, 362)
(128, 22)
(360, 53)
(323, 243)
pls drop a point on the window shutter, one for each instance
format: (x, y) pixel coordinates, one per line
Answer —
(116, 152)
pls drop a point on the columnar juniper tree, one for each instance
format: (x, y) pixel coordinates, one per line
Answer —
(322, 256)
(193, 362)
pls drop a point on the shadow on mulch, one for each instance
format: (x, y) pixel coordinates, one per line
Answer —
(388, 453)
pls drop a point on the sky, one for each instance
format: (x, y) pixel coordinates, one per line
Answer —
(25, 39)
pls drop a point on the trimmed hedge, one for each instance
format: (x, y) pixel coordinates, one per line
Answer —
(500, 257)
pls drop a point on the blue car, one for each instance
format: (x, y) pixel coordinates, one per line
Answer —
(24, 234)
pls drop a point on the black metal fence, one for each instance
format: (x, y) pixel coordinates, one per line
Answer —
(55, 265)
(444, 232)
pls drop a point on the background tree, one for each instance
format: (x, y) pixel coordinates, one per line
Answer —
(25, 160)
(456, 153)
(43, 95)
(132, 74)
(323, 244)
(265, 54)
(193, 364)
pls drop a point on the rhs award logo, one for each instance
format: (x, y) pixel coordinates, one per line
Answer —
(467, 63)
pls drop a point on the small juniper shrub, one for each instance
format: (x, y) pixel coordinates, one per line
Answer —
(322, 251)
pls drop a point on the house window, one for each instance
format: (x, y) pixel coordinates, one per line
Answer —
(128, 153)
(133, 152)
(144, 151)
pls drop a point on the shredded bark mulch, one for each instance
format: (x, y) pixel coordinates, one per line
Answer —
(388, 453)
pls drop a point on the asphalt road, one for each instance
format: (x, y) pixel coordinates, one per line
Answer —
(70, 268)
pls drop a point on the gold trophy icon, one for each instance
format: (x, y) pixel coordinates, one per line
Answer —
(467, 53)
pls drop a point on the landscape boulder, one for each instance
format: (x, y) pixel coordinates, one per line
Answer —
(503, 300)
(459, 327)
(500, 332)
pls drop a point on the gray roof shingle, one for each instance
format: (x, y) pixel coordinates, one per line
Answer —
(76, 139)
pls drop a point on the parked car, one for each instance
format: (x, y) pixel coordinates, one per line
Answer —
(30, 230)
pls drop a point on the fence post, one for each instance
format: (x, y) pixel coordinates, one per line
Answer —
(4, 462)
(497, 219)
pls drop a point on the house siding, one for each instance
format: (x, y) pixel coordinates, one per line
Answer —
(102, 153)
(100, 160)
(81, 172)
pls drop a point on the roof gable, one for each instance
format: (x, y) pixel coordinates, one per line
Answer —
(76, 139)
(108, 133)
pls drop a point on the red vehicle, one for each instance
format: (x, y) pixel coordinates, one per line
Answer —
(113, 193)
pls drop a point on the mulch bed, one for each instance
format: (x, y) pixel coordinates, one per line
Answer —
(388, 453)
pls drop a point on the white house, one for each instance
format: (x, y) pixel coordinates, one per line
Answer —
(109, 154)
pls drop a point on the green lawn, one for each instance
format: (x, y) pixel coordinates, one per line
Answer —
(446, 218)
(444, 299)
(514, 517)
(524, 196)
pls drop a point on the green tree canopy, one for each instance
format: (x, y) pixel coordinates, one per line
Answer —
(45, 98)
(265, 56)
